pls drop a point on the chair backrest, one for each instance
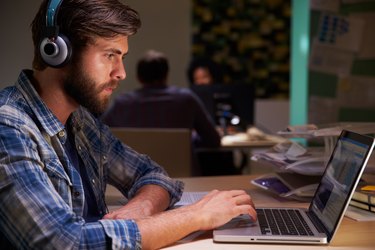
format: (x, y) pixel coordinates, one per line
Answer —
(169, 147)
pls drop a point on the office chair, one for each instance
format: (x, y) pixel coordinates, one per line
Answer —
(169, 147)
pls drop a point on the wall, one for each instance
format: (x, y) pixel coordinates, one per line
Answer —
(165, 27)
(342, 62)
(16, 44)
(249, 40)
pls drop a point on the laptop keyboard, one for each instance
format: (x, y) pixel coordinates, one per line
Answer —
(282, 222)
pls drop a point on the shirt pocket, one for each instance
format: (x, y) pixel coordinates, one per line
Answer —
(59, 179)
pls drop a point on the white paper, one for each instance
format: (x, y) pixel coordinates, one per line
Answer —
(330, 60)
(367, 48)
(312, 163)
(359, 214)
(340, 32)
(295, 150)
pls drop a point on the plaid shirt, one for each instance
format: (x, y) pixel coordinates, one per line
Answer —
(41, 193)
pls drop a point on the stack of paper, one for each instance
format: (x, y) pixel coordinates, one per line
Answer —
(292, 157)
(334, 129)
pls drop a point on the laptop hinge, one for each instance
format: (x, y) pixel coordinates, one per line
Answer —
(317, 223)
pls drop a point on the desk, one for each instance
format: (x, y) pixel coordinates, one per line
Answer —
(352, 235)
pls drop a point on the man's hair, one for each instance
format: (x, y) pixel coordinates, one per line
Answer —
(81, 21)
(152, 68)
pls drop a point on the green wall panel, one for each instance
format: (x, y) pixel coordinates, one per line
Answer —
(356, 115)
(323, 85)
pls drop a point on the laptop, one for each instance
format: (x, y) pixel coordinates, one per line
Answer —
(319, 223)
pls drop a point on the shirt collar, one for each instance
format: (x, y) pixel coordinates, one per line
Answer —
(43, 114)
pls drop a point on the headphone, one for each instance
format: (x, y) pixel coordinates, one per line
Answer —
(55, 48)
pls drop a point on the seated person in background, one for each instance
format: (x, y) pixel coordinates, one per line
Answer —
(56, 157)
(157, 105)
(203, 71)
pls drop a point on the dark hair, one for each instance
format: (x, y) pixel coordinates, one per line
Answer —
(82, 20)
(152, 68)
(208, 64)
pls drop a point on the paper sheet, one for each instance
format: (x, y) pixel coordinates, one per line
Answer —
(359, 214)
(340, 32)
(330, 60)
(367, 48)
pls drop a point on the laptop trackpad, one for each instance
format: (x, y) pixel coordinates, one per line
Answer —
(241, 225)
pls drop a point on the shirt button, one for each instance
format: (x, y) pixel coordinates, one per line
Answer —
(79, 148)
(93, 181)
(62, 133)
(76, 194)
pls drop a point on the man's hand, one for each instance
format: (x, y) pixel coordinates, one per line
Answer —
(219, 207)
(212, 211)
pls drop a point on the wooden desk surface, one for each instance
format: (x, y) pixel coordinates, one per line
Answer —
(352, 234)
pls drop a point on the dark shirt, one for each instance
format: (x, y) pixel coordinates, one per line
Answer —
(91, 211)
(163, 107)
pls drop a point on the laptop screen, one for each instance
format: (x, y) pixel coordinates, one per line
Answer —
(340, 177)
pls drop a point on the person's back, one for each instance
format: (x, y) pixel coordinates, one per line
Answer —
(156, 105)
(153, 107)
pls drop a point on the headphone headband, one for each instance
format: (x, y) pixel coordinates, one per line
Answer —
(52, 10)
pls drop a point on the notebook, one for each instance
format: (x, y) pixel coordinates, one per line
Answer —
(317, 224)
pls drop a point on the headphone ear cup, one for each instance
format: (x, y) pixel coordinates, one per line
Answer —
(55, 52)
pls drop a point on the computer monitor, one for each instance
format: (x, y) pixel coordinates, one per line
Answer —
(226, 102)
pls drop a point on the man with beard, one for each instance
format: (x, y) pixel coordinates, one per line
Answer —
(56, 157)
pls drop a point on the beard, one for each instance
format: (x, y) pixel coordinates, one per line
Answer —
(86, 91)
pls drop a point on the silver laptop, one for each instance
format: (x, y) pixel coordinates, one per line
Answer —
(317, 224)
